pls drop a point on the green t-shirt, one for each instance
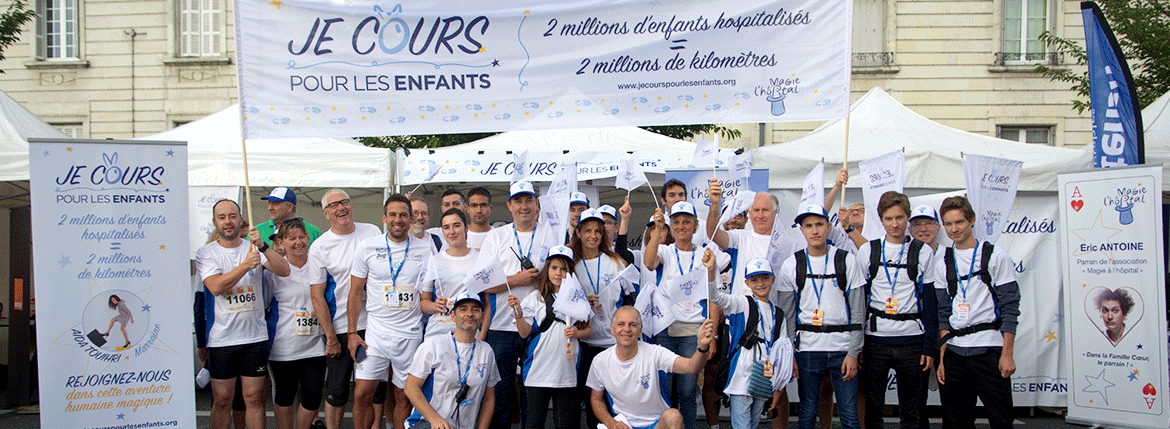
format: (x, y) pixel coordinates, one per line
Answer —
(268, 228)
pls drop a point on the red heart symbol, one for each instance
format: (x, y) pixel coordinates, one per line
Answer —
(1078, 204)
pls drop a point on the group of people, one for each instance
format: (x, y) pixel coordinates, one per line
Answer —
(308, 310)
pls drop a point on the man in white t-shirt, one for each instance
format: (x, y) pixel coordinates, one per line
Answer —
(822, 293)
(420, 216)
(978, 312)
(330, 259)
(385, 272)
(461, 370)
(237, 335)
(520, 250)
(627, 375)
(479, 212)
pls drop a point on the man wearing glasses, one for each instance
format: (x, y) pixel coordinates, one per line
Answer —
(282, 206)
(330, 259)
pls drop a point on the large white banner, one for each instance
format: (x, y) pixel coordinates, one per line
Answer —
(475, 167)
(991, 188)
(1114, 273)
(110, 264)
(879, 175)
(369, 67)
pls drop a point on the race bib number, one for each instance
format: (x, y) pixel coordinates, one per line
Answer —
(962, 311)
(242, 298)
(304, 323)
(402, 297)
(891, 306)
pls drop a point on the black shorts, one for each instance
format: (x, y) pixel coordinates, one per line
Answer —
(302, 376)
(339, 372)
(245, 360)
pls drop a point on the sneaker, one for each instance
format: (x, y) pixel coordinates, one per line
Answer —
(318, 425)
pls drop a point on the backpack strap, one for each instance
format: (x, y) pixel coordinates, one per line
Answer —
(875, 262)
(438, 242)
(842, 273)
(952, 275)
(801, 271)
(984, 270)
(912, 261)
(750, 332)
(549, 317)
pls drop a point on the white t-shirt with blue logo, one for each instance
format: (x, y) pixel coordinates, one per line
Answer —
(633, 386)
(436, 357)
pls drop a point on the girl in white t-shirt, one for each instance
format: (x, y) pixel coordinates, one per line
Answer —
(446, 279)
(297, 356)
(550, 370)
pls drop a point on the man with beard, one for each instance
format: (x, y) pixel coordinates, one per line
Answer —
(330, 259)
(420, 216)
(237, 336)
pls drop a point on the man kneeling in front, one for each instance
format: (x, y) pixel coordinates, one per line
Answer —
(644, 405)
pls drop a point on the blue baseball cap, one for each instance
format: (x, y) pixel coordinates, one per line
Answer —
(811, 210)
(467, 297)
(282, 194)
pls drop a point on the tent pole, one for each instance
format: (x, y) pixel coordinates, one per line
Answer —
(845, 157)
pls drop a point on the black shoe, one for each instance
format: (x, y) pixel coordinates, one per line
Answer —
(318, 425)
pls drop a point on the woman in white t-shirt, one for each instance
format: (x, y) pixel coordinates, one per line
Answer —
(446, 278)
(550, 369)
(591, 249)
(297, 356)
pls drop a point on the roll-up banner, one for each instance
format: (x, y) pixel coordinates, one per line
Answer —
(111, 269)
(1115, 296)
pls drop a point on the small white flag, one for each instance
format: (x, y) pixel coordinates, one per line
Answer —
(878, 175)
(688, 289)
(487, 273)
(520, 166)
(554, 220)
(706, 153)
(991, 187)
(814, 187)
(741, 166)
(432, 171)
(565, 181)
(571, 300)
(740, 203)
(629, 174)
(655, 310)
(630, 274)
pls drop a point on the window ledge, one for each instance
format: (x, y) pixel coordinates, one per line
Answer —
(1022, 68)
(58, 64)
(197, 61)
(887, 69)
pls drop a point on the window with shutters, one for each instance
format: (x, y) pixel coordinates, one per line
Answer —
(200, 28)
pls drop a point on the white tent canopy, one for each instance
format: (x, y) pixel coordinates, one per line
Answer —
(215, 157)
(580, 139)
(879, 124)
(17, 125)
(1156, 123)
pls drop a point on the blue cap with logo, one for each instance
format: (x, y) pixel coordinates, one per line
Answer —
(683, 207)
(811, 210)
(282, 194)
(757, 266)
(590, 214)
(578, 198)
(924, 211)
(520, 188)
(459, 299)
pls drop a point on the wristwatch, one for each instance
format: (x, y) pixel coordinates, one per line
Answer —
(849, 229)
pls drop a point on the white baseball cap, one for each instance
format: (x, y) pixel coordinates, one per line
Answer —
(591, 214)
(561, 251)
(683, 207)
(521, 187)
(757, 266)
(924, 211)
(578, 198)
(811, 210)
(609, 210)
(465, 296)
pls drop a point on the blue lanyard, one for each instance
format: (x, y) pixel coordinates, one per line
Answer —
(596, 286)
(458, 364)
(963, 284)
(765, 333)
(886, 266)
(390, 261)
(808, 263)
(679, 261)
(530, 241)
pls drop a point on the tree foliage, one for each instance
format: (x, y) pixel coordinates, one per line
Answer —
(11, 21)
(443, 140)
(1142, 28)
